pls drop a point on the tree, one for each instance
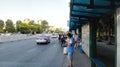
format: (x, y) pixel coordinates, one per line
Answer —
(24, 28)
(33, 28)
(44, 26)
(58, 30)
(38, 30)
(32, 22)
(18, 22)
(1, 26)
(9, 26)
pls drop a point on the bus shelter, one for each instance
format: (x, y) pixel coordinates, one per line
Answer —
(87, 17)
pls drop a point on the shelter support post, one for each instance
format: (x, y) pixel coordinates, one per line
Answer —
(92, 40)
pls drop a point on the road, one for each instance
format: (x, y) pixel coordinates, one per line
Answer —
(26, 53)
(106, 53)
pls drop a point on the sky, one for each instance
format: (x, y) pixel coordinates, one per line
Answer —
(56, 12)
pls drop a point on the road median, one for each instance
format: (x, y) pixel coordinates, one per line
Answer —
(16, 37)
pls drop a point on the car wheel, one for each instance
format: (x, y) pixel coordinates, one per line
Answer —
(46, 43)
(37, 43)
(49, 41)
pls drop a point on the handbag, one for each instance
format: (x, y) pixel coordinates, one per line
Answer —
(65, 52)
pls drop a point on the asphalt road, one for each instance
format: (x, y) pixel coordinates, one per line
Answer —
(106, 54)
(27, 54)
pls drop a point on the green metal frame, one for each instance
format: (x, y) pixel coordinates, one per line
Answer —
(92, 41)
(98, 8)
(115, 27)
(77, 10)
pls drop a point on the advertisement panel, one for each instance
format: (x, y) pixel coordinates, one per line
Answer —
(86, 38)
(118, 37)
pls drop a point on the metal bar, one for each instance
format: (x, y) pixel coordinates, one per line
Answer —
(84, 16)
(91, 3)
(94, 7)
(88, 12)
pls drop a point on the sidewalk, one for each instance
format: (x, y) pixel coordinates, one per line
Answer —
(79, 60)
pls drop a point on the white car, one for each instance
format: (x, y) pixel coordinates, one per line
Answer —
(43, 39)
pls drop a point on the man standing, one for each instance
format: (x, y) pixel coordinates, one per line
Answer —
(62, 40)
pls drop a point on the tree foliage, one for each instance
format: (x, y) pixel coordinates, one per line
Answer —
(24, 28)
(58, 30)
(29, 28)
(1, 24)
(38, 30)
(32, 22)
(44, 26)
(18, 22)
(105, 27)
(1, 30)
(9, 26)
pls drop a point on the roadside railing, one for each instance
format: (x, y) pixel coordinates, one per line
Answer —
(14, 37)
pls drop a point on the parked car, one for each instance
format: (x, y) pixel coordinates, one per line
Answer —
(43, 39)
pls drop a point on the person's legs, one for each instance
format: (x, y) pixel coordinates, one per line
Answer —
(62, 42)
(70, 58)
(70, 62)
(75, 46)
